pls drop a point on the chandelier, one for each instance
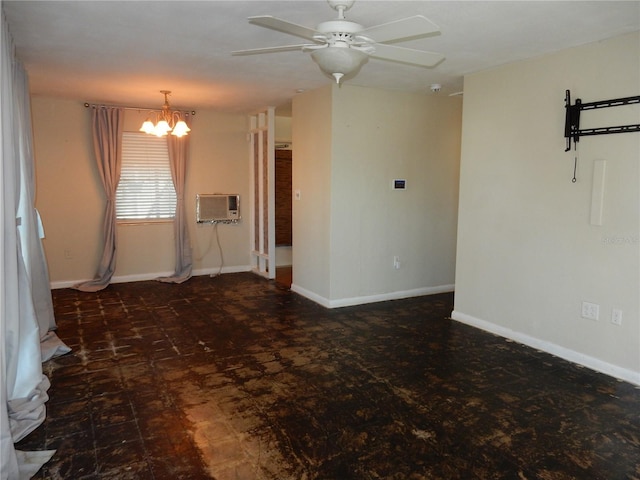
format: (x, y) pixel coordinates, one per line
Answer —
(165, 121)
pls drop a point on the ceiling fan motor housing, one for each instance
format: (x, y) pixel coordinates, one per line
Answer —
(339, 33)
(342, 26)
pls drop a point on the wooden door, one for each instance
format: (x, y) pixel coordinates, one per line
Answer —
(283, 198)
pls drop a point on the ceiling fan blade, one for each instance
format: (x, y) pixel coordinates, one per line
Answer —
(284, 48)
(283, 26)
(416, 26)
(407, 55)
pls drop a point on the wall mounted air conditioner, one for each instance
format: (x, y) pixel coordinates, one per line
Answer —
(217, 208)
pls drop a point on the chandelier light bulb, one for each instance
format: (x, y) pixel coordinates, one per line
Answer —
(148, 127)
(162, 128)
(180, 129)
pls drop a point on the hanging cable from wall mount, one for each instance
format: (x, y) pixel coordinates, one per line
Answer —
(220, 250)
(206, 252)
(575, 162)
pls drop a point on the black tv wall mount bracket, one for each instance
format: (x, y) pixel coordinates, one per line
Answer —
(572, 118)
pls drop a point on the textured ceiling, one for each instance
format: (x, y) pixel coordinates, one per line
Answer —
(125, 52)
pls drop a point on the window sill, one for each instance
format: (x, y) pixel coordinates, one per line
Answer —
(145, 221)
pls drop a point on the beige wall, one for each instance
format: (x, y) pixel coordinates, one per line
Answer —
(528, 254)
(71, 201)
(354, 223)
(283, 130)
(311, 134)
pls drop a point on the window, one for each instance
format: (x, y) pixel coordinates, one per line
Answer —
(145, 191)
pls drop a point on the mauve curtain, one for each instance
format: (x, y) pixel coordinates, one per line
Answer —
(107, 123)
(178, 154)
(23, 387)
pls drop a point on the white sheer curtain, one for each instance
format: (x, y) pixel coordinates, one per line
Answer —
(178, 155)
(23, 297)
(30, 229)
(108, 124)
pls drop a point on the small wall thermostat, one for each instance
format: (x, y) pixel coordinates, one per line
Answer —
(399, 184)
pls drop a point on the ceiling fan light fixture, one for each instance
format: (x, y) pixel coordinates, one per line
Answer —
(339, 62)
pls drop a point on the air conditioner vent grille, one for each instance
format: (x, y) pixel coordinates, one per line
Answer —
(217, 208)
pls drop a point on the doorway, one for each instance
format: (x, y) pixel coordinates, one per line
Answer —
(283, 216)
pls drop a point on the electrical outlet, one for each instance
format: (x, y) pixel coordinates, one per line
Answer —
(396, 262)
(616, 316)
(590, 311)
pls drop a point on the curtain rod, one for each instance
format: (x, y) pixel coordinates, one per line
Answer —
(146, 109)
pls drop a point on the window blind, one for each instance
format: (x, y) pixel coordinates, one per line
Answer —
(145, 190)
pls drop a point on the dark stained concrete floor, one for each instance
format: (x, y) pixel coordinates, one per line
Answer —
(236, 377)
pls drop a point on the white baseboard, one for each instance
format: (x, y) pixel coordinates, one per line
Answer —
(114, 279)
(310, 295)
(214, 271)
(152, 276)
(382, 297)
(551, 348)
(64, 284)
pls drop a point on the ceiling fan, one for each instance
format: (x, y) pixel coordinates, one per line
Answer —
(340, 47)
